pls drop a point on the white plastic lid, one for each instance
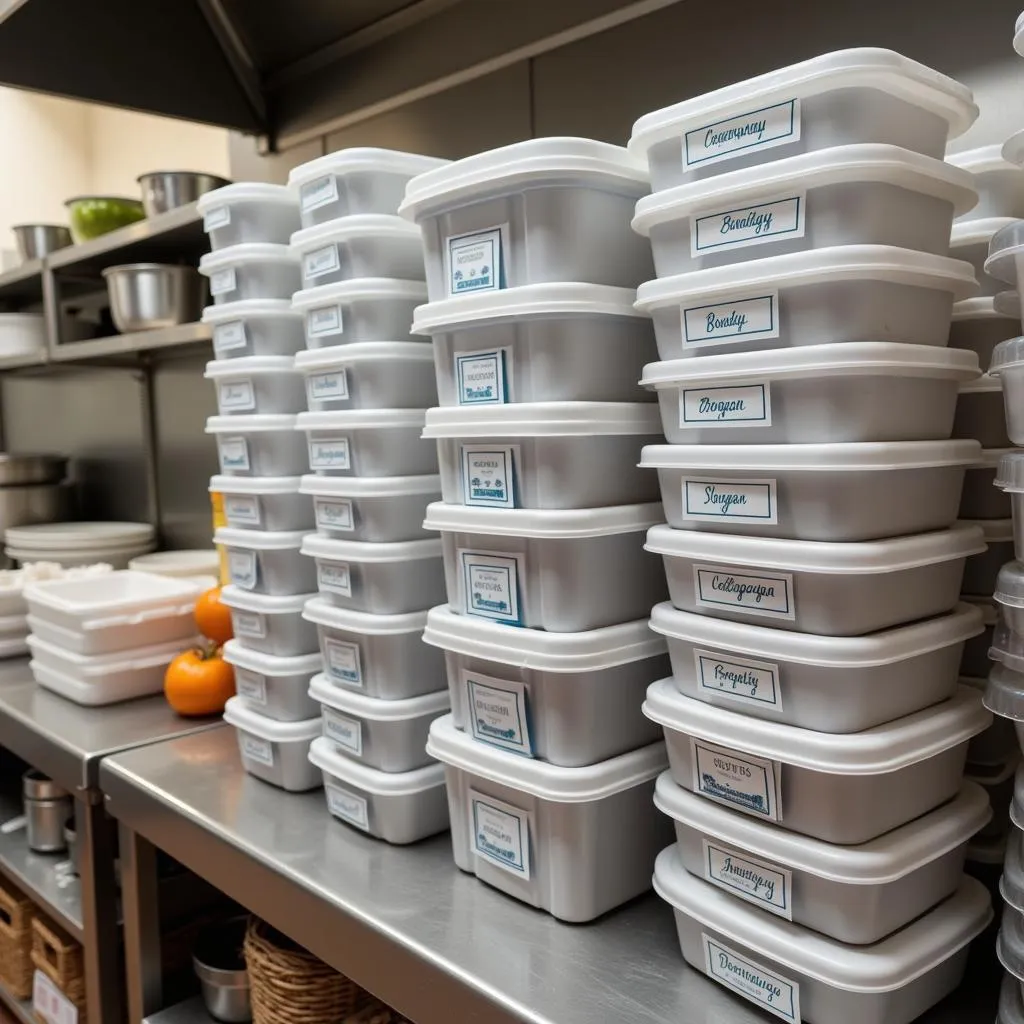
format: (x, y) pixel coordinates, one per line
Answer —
(859, 68)
(370, 551)
(255, 424)
(373, 708)
(376, 226)
(1006, 245)
(531, 523)
(241, 716)
(191, 562)
(847, 652)
(1013, 150)
(259, 540)
(995, 531)
(369, 486)
(543, 419)
(126, 596)
(885, 966)
(1010, 471)
(1006, 355)
(1009, 588)
(247, 252)
(247, 309)
(265, 604)
(535, 163)
(358, 289)
(243, 192)
(891, 165)
(320, 611)
(314, 360)
(271, 664)
(249, 366)
(362, 160)
(539, 778)
(990, 458)
(591, 651)
(324, 754)
(855, 557)
(85, 536)
(876, 751)
(356, 419)
(254, 484)
(987, 382)
(983, 160)
(985, 307)
(150, 656)
(976, 232)
(886, 859)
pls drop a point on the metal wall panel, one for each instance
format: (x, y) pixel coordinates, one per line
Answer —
(248, 164)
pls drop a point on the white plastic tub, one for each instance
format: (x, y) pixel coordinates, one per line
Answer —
(829, 684)
(560, 570)
(538, 343)
(1007, 366)
(981, 499)
(369, 375)
(832, 589)
(575, 842)
(551, 209)
(847, 195)
(796, 974)
(979, 411)
(1009, 479)
(843, 789)
(250, 271)
(979, 325)
(380, 509)
(969, 241)
(844, 293)
(277, 752)
(997, 177)
(380, 578)
(275, 687)
(398, 807)
(271, 625)
(256, 327)
(248, 211)
(981, 571)
(367, 442)
(571, 699)
(854, 894)
(363, 309)
(258, 445)
(548, 455)
(818, 492)
(267, 563)
(263, 385)
(270, 503)
(840, 98)
(996, 746)
(389, 735)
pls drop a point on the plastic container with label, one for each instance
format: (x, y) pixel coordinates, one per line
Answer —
(389, 735)
(575, 842)
(829, 684)
(975, 660)
(544, 455)
(379, 509)
(832, 589)
(844, 293)
(563, 570)
(981, 571)
(276, 752)
(571, 699)
(270, 503)
(258, 445)
(981, 499)
(273, 686)
(817, 492)
(363, 309)
(861, 391)
(538, 343)
(398, 807)
(979, 326)
(969, 241)
(248, 211)
(550, 209)
(369, 375)
(250, 271)
(843, 789)
(979, 411)
(379, 578)
(1007, 366)
(258, 384)
(256, 327)
(267, 563)
(271, 625)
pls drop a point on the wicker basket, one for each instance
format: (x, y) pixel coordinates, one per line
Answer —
(16, 912)
(288, 985)
(60, 958)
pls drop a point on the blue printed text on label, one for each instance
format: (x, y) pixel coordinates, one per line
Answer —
(748, 405)
(747, 225)
(740, 780)
(741, 501)
(490, 585)
(248, 624)
(242, 509)
(731, 321)
(334, 578)
(766, 885)
(346, 732)
(229, 336)
(501, 834)
(329, 453)
(480, 378)
(321, 261)
(762, 593)
(474, 262)
(488, 476)
(341, 660)
(233, 453)
(236, 395)
(223, 281)
(318, 192)
(348, 806)
(765, 988)
(497, 712)
(327, 387)
(323, 321)
(218, 217)
(243, 568)
(759, 129)
(334, 514)
(739, 679)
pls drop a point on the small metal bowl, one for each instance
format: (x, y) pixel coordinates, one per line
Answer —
(148, 296)
(167, 190)
(35, 241)
(220, 967)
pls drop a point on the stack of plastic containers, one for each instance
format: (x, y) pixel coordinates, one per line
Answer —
(816, 732)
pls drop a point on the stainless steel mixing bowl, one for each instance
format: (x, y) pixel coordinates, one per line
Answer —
(35, 241)
(165, 190)
(145, 296)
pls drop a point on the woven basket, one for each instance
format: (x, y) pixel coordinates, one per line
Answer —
(288, 985)
(16, 911)
(60, 958)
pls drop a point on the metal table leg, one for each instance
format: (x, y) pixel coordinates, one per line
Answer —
(141, 909)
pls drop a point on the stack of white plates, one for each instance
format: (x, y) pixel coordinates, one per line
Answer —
(70, 544)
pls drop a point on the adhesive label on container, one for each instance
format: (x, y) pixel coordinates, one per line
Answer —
(764, 128)
(223, 281)
(747, 225)
(501, 833)
(766, 885)
(236, 395)
(488, 475)
(329, 453)
(256, 749)
(218, 217)
(490, 583)
(480, 377)
(731, 321)
(250, 624)
(318, 192)
(335, 514)
(327, 387)
(739, 679)
(497, 712)
(749, 405)
(334, 577)
(242, 509)
(323, 321)
(741, 501)
(475, 261)
(770, 991)
(233, 453)
(251, 685)
(49, 1003)
(346, 732)
(768, 594)
(341, 660)
(739, 780)
(229, 336)
(348, 807)
(244, 568)
(320, 261)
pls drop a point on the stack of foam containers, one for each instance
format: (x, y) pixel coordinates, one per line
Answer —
(817, 735)
(259, 393)
(531, 276)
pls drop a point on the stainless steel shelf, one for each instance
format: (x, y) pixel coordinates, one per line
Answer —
(192, 1011)
(140, 341)
(23, 284)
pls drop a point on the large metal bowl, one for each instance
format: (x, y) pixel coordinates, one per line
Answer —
(35, 241)
(166, 190)
(220, 967)
(147, 296)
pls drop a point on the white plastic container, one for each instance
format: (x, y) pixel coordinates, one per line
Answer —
(829, 684)
(975, 661)
(256, 327)
(1011, 999)
(979, 325)
(861, 391)
(367, 442)
(546, 455)
(277, 752)
(258, 445)
(363, 309)
(369, 375)
(261, 385)
(271, 625)
(840, 98)
(832, 589)
(996, 746)
(796, 974)
(997, 177)
(1009, 596)
(538, 343)
(1009, 478)
(560, 570)
(380, 509)
(248, 211)
(818, 492)
(389, 735)
(551, 209)
(275, 687)
(575, 842)
(847, 195)
(398, 807)
(844, 293)
(843, 789)
(981, 499)
(119, 557)
(188, 563)
(854, 894)
(981, 571)
(267, 563)
(979, 411)
(270, 503)
(1007, 366)
(379, 578)
(254, 270)
(571, 699)
(969, 241)
(1010, 950)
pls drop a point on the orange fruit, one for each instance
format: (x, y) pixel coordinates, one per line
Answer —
(199, 682)
(213, 618)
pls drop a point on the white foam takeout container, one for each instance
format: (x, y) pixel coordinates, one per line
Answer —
(276, 752)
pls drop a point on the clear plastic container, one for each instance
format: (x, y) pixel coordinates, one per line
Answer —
(258, 445)
(261, 385)
(256, 327)
(1011, 999)
(970, 238)
(979, 326)
(1009, 596)
(975, 660)
(276, 752)
(981, 499)
(248, 211)
(1007, 366)
(1006, 255)
(250, 271)
(979, 412)
(997, 745)
(981, 571)
(1010, 950)
(1010, 480)
(363, 309)
(271, 625)
(267, 563)
(272, 686)
(264, 502)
